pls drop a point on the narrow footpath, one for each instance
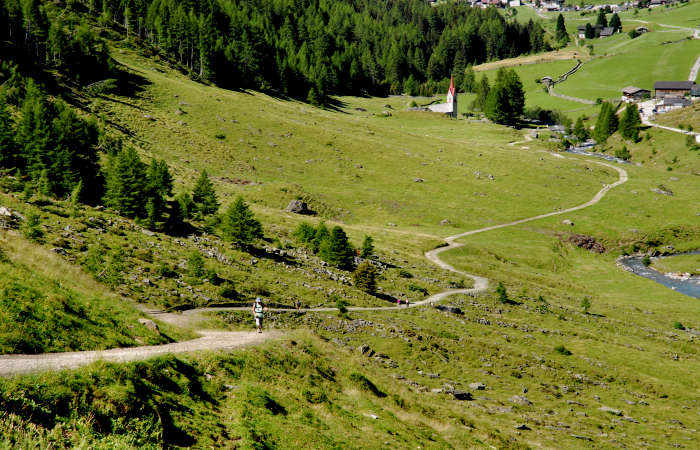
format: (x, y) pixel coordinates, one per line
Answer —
(220, 340)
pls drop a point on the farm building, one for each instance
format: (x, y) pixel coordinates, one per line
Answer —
(671, 103)
(672, 88)
(607, 32)
(633, 94)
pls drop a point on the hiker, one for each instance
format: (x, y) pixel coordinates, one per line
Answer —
(298, 304)
(259, 312)
(398, 302)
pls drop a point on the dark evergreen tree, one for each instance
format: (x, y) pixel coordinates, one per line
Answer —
(506, 99)
(606, 124)
(590, 31)
(580, 130)
(336, 249)
(204, 200)
(601, 19)
(630, 122)
(159, 188)
(615, 23)
(127, 184)
(8, 150)
(365, 277)
(469, 80)
(239, 225)
(367, 247)
(482, 93)
(320, 236)
(561, 35)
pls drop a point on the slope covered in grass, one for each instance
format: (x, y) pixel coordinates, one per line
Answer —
(47, 305)
(412, 169)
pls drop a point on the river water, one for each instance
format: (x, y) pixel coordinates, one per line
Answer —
(689, 287)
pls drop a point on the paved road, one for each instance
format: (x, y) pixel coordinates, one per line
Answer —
(220, 340)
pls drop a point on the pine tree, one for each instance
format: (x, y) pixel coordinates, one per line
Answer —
(615, 23)
(482, 93)
(337, 250)
(629, 123)
(159, 188)
(127, 184)
(606, 124)
(469, 80)
(506, 99)
(204, 198)
(367, 247)
(580, 130)
(601, 20)
(365, 277)
(320, 236)
(239, 225)
(590, 31)
(561, 35)
(8, 149)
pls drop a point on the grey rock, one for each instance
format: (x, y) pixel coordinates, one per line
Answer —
(445, 222)
(418, 180)
(613, 411)
(522, 426)
(147, 232)
(662, 191)
(433, 375)
(58, 250)
(630, 419)
(449, 309)
(477, 386)
(567, 222)
(461, 395)
(299, 207)
(148, 323)
(520, 400)
(578, 436)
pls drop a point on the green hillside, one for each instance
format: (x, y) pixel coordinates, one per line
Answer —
(564, 350)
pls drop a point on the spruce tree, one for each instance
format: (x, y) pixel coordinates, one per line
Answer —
(127, 184)
(482, 93)
(367, 247)
(561, 35)
(8, 150)
(615, 23)
(159, 188)
(469, 80)
(601, 20)
(365, 277)
(580, 130)
(204, 198)
(590, 31)
(606, 124)
(337, 250)
(629, 123)
(320, 236)
(239, 225)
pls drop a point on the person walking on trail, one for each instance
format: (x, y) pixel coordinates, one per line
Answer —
(259, 312)
(398, 302)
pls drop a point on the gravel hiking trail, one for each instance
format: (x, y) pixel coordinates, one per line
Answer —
(222, 340)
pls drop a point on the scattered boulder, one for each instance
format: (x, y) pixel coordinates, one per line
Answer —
(365, 350)
(520, 400)
(299, 207)
(9, 218)
(613, 411)
(148, 323)
(462, 395)
(418, 180)
(449, 309)
(663, 190)
(522, 426)
(445, 222)
(567, 222)
(477, 386)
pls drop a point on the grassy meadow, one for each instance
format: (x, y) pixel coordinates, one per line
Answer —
(576, 353)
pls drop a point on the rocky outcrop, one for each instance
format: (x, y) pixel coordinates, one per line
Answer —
(299, 207)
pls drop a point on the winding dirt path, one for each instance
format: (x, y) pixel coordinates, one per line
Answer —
(220, 340)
